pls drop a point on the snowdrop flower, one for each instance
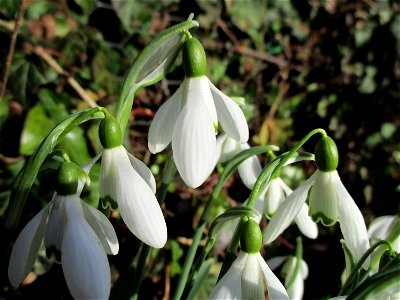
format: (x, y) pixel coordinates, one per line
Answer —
(82, 234)
(189, 119)
(296, 290)
(382, 227)
(249, 273)
(249, 169)
(129, 182)
(329, 202)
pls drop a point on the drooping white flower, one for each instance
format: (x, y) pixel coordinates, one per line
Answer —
(130, 183)
(247, 278)
(382, 227)
(190, 116)
(81, 233)
(329, 202)
(273, 196)
(249, 169)
(296, 290)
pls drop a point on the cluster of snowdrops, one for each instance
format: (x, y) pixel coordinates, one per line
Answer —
(203, 126)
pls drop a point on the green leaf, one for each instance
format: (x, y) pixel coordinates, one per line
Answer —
(27, 175)
(177, 253)
(202, 276)
(37, 126)
(150, 66)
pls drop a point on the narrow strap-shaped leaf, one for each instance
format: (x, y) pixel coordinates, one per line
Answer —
(200, 278)
(28, 173)
(150, 66)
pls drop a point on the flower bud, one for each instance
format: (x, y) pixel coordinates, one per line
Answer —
(194, 58)
(110, 133)
(326, 155)
(251, 237)
(67, 178)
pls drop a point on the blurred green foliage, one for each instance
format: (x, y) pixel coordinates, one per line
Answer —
(293, 65)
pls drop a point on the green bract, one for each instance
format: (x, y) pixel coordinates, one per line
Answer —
(194, 58)
(110, 133)
(326, 155)
(67, 178)
(251, 237)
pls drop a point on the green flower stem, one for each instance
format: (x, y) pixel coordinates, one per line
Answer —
(228, 170)
(27, 175)
(299, 258)
(271, 171)
(358, 266)
(169, 173)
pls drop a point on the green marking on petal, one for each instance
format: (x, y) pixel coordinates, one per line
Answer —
(107, 201)
(321, 217)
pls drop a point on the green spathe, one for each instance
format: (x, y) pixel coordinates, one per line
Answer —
(326, 154)
(194, 58)
(110, 133)
(67, 178)
(251, 237)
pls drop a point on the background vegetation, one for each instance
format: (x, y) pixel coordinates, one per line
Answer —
(297, 65)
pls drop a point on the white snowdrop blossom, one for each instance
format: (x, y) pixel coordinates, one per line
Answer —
(381, 228)
(329, 202)
(129, 182)
(82, 234)
(249, 169)
(274, 195)
(247, 278)
(189, 118)
(296, 290)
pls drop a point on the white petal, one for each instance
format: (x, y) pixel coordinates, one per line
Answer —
(86, 168)
(108, 173)
(230, 148)
(379, 228)
(103, 228)
(304, 269)
(55, 224)
(252, 279)
(193, 140)
(218, 148)
(274, 196)
(323, 199)
(229, 286)
(162, 126)
(230, 116)
(305, 223)
(250, 169)
(83, 259)
(296, 291)
(276, 261)
(276, 290)
(137, 203)
(26, 248)
(287, 211)
(141, 168)
(259, 206)
(352, 224)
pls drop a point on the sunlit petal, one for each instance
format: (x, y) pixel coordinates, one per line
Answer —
(162, 126)
(137, 203)
(230, 116)
(26, 248)
(144, 171)
(352, 224)
(230, 148)
(103, 228)
(86, 168)
(379, 228)
(276, 261)
(83, 259)
(276, 290)
(249, 169)
(193, 140)
(252, 279)
(305, 223)
(229, 286)
(287, 211)
(108, 173)
(274, 196)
